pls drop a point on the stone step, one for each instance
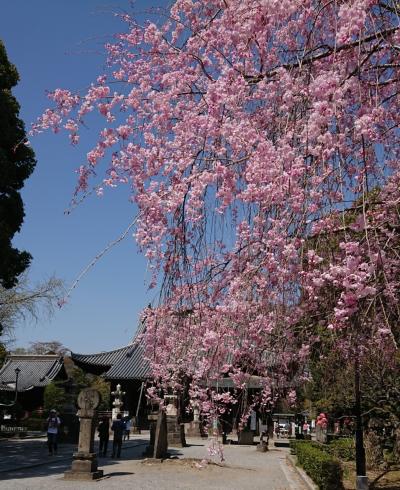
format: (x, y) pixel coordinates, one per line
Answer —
(281, 444)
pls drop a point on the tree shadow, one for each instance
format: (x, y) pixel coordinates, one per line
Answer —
(41, 465)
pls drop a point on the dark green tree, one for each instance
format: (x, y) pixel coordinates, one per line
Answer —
(3, 351)
(17, 162)
(54, 397)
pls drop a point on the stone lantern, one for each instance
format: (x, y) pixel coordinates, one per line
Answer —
(117, 403)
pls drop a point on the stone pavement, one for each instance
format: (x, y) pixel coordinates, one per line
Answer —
(25, 465)
(18, 453)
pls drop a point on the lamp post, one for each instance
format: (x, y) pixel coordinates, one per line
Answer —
(17, 371)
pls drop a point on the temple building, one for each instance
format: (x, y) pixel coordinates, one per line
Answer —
(125, 366)
(28, 375)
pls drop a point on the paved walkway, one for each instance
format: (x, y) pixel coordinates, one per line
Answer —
(26, 465)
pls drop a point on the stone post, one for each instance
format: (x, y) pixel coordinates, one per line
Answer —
(321, 434)
(152, 418)
(161, 437)
(263, 444)
(153, 423)
(176, 431)
(84, 464)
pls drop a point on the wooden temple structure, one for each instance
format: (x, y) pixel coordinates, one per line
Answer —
(24, 377)
(126, 367)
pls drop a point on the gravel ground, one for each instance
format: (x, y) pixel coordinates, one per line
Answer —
(244, 468)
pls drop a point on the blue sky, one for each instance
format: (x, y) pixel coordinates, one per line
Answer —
(60, 44)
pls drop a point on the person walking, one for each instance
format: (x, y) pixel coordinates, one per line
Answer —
(53, 425)
(104, 434)
(127, 431)
(118, 427)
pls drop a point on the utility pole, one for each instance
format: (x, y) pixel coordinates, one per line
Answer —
(361, 478)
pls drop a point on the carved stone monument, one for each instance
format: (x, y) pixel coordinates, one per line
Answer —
(84, 464)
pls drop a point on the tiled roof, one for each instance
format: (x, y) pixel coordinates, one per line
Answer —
(124, 363)
(35, 371)
(132, 366)
(102, 359)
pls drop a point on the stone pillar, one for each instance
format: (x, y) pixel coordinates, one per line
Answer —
(161, 438)
(176, 430)
(152, 418)
(84, 464)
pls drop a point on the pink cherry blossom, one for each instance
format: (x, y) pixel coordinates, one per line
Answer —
(261, 144)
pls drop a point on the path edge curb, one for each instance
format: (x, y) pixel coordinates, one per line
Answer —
(303, 475)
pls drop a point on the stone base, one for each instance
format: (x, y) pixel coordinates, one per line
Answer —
(84, 463)
(362, 483)
(83, 476)
(84, 467)
(176, 432)
(262, 447)
(192, 429)
(246, 437)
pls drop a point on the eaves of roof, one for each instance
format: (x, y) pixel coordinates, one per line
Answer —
(34, 371)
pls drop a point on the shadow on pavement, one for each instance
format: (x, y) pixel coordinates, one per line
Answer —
(52, 468)
(118, 473)
(18, 454)
(33, 461)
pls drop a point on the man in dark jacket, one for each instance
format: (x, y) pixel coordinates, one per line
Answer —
(104, 429)
(118, 428)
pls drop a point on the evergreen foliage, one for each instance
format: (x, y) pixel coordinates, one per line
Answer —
(324, 469)
(54, 397)
(17, 162)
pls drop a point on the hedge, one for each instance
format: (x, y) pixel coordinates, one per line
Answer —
(321, 467)
(344, 449)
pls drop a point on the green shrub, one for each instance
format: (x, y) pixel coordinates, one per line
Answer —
(321, 467)
(293, 443)
(344, 449)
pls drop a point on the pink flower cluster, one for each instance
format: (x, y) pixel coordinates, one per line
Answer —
(260, 142)
(322, 421)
